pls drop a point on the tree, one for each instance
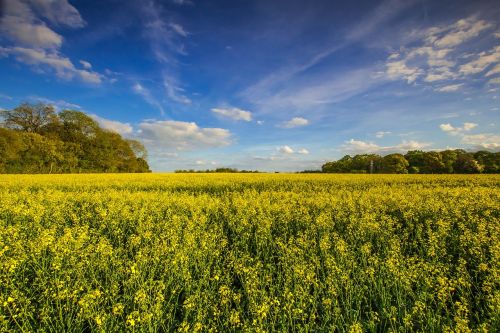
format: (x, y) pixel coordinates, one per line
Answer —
(362, 163)
(432, 163)
(466, 163)
(138, 149)
(37, 140)
(77, 126)
(394, 163)
(341, 166)
(10, 146)
(415, 160)
(449, 157)
(490, 161)
(30, 117)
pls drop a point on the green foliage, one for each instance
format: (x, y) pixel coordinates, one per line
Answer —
(33, 118)
(37, 140)
(417, 161)
(394, 163)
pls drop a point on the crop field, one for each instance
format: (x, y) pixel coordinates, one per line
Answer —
(252, 253)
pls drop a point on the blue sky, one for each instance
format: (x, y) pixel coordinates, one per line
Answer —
(268, 85)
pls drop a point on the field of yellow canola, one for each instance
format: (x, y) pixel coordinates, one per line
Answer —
(253, 253)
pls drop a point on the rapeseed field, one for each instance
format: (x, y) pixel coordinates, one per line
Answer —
(250, 253)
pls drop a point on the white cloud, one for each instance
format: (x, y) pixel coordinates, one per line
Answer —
(21, 24)
(34, 43)
(483, 141)
(437, 59)
(478, 141)
(450, 87)
(179, 29)
(494, 81)
(148, 97)
(180, 135)
(295, 122)
(113, 125)
(62, 66)
(59, 12)
(28, 34)
(494, 70)
(398, 69)
(448, 128)
(174, 92)
(439, 75)
(286, 150)
(163, 37)
(482, 62)
(234, 113)
(460, 32)
(469, 126)
(359, 147)
(381, 134)
(86, 64)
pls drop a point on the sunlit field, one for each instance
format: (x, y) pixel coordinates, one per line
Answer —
(253, 253)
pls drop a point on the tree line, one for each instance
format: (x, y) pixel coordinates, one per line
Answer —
(417, 161)
(34, 138)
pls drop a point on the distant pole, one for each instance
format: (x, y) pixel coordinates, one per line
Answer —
(371, 166)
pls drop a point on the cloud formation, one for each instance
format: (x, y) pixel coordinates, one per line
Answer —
(437, 56)
(37, 45)
(180, 135)
(483, 60)
(381, 134)
(62, 66)
(233, 113)
(289, 150)
(361, 147)
(457, 33)
(174, 92)
(294, 122)
(179, 29)
(113, 125)
(488, 141)
(448, 128)
(450, 87)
